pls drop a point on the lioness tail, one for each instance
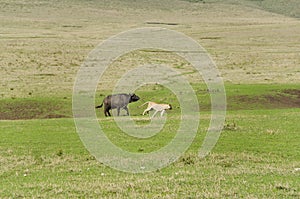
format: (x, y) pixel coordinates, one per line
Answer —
(144, 104)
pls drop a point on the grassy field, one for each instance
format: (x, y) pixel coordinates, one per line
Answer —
(256, 46)
(257, 156)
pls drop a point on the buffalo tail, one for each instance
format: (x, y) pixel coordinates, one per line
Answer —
(99, 106)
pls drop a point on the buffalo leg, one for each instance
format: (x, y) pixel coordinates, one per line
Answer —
(125, 108)
(106, 112)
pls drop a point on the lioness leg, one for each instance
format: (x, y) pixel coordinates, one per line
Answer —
(154, 114)
(162, 112)
(146, 111)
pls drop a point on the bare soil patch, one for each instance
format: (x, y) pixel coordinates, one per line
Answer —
(295, 92)
(288, 98)
(31, 109)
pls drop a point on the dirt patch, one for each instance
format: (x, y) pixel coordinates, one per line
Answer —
(294, 92)
(289, 98)
(49, 116)
(31, 109)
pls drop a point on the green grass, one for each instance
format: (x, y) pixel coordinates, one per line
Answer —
(46, 158)
(256, 155)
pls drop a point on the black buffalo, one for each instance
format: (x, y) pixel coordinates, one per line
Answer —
(118, 101)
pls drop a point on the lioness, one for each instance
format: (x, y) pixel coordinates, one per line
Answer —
(156, 107)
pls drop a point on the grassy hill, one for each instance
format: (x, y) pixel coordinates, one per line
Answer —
(285, 7)
(43, 43)
(288, 7)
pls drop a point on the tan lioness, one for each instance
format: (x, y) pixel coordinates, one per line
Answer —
(156, 107)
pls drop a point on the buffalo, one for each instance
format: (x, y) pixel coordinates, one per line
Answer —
(118, 101)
